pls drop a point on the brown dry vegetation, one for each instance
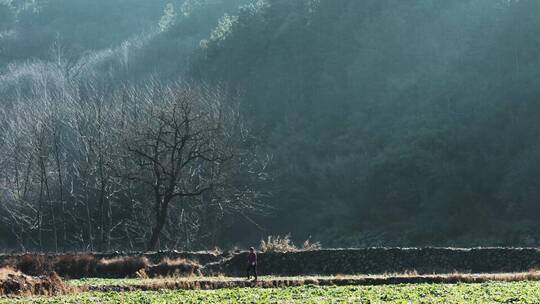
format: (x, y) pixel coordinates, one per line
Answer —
(285, 244)
(80, 266)
(15, 283)
(168, 268)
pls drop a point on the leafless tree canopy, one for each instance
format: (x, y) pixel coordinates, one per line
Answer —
(147, 166)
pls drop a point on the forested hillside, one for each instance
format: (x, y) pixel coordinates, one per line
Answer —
(393, 122)
(355, 123)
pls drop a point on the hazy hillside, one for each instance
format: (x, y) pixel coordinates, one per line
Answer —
(374, 122)
(393, 122)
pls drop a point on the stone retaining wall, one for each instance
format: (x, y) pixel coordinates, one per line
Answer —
(154, 257)
(351, 261)
(385, 260)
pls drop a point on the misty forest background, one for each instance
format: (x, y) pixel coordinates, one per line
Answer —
(355, 123)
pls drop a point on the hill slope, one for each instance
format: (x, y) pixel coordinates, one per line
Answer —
(392, 122)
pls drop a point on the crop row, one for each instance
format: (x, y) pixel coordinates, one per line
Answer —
(519, 292)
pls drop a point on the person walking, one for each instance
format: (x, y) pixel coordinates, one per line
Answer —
(252, 263)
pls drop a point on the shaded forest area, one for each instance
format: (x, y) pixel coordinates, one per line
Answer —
(358, 123)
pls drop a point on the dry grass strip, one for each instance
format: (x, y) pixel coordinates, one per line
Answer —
(88, 266)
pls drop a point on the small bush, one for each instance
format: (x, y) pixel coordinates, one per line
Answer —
(285, 244)
(308, 245)
(277, 244)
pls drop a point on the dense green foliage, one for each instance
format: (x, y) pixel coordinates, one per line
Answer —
(426, 293)
(393, 122)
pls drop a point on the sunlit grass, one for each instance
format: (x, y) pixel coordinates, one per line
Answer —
(520, 292)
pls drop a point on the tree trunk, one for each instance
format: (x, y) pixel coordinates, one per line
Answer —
(53, 212)
(89, 224)
(101, 244)
(61, 194)
(40, 213)
(161, 217)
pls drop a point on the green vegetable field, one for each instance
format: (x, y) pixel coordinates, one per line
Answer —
(522, 292)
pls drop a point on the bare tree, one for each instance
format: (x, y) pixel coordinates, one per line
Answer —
(178, 131)
(82, 163)
(94, 111)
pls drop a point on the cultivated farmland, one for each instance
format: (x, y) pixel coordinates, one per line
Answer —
(521, 292)
(183, 277)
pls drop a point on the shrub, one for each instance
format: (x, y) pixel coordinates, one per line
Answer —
(285, 244)
(308, 245)
(277, 244)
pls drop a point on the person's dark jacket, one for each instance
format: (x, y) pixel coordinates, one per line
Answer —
(252, 258)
